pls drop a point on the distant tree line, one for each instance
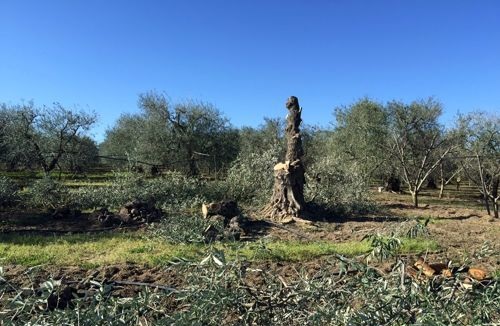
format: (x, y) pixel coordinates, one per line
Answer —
(400, 145)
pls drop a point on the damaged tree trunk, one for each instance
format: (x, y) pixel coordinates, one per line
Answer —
(287, 201)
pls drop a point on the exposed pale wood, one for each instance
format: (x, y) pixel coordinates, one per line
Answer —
(477, 273)
(226, 208)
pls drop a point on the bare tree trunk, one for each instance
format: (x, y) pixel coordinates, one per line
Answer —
(193, 168)
(483, 185)
(287, 201)
(494, 195)
(441, 174)
(414, 197)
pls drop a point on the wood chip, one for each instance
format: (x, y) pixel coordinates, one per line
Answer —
(477, 273)
(446, 272)
(426, 269)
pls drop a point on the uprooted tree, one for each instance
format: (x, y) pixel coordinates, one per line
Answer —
(287, 201)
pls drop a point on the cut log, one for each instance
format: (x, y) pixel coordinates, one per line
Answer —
(477, 274)
(226, 208)
(124, 214)
(438, 267)
(446, 272)
(425, 268)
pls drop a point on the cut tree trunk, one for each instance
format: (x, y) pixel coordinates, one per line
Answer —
(287, 201)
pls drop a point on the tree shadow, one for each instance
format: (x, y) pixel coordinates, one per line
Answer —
(456, 218)
(256, 229)
(320, 213)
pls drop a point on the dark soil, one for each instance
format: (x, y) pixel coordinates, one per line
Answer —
(35, 222)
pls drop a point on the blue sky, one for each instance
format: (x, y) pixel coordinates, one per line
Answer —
(247, 57)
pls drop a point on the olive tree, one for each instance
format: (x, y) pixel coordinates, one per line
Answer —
(417, 141)
(269, 134)
(82, 154)
(180, 136)
(360, 134)
(43, 136)
(481, 160)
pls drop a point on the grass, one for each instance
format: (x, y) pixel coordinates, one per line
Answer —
(103, 249)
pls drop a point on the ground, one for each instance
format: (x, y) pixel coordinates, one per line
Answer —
(78, 249)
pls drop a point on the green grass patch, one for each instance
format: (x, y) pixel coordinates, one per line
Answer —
(88, 250)
(418, 245)
(103, 249)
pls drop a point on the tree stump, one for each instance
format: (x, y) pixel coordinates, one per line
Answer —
(287, 201)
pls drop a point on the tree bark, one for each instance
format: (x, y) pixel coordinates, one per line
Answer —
(287, 201)
(443, 181)
(193, 168)
(414, 197)
(483, 184)
(494, 195)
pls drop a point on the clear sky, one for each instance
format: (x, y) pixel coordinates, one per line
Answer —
(247, 57)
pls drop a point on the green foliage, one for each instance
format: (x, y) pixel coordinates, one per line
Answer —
(250, 178)
(336, 185)
(81, 155)
(418, 141)
(41, 137)
(269, 134)
(47, 193)
(482, 144)
(9, 192)
(383, 247)
(183, 228)
(178, 136)
(418, 230)
(361, 130)
(172, 191)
